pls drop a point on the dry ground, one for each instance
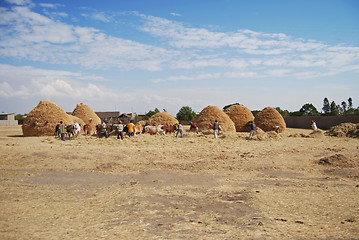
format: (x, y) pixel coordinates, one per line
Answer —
(160, 187)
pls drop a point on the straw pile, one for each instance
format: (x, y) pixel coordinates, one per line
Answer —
(268, 118)
(344, 130)
(162, 118)
(211, 113)
(240, 116)
(84, 112)
(260, 135)
(42, 120)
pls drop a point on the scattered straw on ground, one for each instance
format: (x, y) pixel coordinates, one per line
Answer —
(344, 130)
(240, 115)
(268, 118)
(162, 118)
(212, 113)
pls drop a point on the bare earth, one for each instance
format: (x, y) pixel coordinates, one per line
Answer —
(197, 187)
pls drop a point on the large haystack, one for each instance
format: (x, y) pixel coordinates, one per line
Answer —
(268, 118)
(162, 118)
(42, 120)
(212, 113)
(84, 112)
(241, 116)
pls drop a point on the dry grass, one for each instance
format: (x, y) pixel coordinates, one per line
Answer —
(196, 187)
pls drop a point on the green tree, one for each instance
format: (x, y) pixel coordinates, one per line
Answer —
(308, 109)
(227, 106)
(344, 107)
(186, 114)
(151, 113)
(284, 113)
(334, 109)
(20, 118)
(326, 106)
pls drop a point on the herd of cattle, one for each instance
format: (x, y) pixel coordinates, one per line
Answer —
(74, 130)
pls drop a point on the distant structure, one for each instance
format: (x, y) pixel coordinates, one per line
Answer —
(8, 119)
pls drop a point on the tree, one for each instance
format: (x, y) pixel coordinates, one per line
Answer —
(334, 109)
(284, 113)
(309, 110)
(230, 105)
(326, 106)
(350, 103)
(344, 107)
(186, 114)
(151, 113)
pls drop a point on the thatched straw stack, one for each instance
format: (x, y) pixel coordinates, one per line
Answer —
(84, 112)
(42, 120)
(212, 113)
(268, 118)
(240, 116)
(162, 118)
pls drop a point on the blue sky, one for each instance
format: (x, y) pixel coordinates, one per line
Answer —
(134, 56)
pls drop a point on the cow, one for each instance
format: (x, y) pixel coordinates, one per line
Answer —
(169, 129)
(138, 129)
(87, 129)
(77, 129)
(70, 129)
(57, 130)
(154, 130)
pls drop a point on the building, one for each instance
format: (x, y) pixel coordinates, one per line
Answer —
(8, 119)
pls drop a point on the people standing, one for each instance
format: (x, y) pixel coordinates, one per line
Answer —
(216, 128)
(131, 129)
(104, 129)
(120, 130)
(62, 130)
(253, 129)
(314, 125)
(179, 130)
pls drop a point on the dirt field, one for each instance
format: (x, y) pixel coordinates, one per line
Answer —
(197, 187)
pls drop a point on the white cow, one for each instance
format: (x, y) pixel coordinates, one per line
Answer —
(77, 129)
(154, 130)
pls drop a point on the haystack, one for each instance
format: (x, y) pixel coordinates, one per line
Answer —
(268, 118)
(162, 118)
(344, 130)
(42, 120)
(212, 113)
(84, 112)
(240, 115)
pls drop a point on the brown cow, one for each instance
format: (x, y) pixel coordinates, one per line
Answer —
(88, 129)
(169, 129)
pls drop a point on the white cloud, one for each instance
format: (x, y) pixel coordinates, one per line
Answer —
(175, 14)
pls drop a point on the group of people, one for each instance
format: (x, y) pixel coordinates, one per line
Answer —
(121, 128)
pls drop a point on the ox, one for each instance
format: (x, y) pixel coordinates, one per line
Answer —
(154, 130)
(77, 129)
(169, 129)
(138, 129)
(87, 129)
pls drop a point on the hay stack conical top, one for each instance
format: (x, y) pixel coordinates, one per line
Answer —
(212, 113)
(240, 116)
(42, 120)
(162, 118)
(86, 113)
(268, 118)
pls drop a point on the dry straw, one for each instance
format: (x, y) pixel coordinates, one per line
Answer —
(240, 116)
(85, 113)
(344, 130)
(212, 113)
(162, 118)
(42, 120)
(268, 118)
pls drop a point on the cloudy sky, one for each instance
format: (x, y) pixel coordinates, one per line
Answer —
(134, 56)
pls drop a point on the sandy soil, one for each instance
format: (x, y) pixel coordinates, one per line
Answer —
(196, 187)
